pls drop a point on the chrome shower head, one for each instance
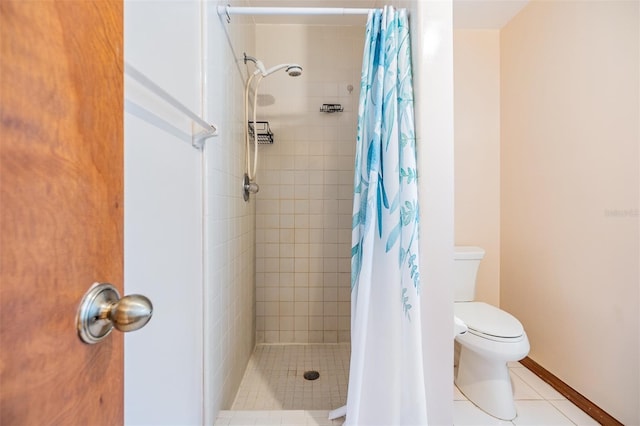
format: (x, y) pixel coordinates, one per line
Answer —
(294, 70)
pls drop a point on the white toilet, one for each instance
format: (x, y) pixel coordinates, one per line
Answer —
(493, 338)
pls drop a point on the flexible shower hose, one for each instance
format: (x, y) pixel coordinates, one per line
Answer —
(251, 172)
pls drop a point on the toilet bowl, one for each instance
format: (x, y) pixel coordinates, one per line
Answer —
(493, 338)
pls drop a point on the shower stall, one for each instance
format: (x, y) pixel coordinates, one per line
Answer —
(302, 211)
(299, 222)
(197, 249)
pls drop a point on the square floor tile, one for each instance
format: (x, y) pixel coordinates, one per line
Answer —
(539, 385)
(465, 413)
(574, 414)
(539, 413)
(521, 389)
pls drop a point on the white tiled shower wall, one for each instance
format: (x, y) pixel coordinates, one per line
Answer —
(229, 222)
(304, 207)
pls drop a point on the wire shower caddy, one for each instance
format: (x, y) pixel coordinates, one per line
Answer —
(265, 135)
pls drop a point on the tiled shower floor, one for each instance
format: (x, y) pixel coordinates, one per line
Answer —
(274, 378)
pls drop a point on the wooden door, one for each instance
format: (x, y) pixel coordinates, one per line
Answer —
(61, 212)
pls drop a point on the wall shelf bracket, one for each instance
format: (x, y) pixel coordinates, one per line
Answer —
(198, 138)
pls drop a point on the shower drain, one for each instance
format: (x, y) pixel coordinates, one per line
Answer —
(311, 375)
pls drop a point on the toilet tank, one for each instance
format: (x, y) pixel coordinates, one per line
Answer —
(465, 268)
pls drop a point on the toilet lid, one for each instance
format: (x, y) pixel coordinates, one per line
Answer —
(486, 319)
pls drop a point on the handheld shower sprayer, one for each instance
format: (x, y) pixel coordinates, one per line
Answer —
(293, 70)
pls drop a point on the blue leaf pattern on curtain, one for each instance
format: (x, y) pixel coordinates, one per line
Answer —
(386, 380)
(386, 90)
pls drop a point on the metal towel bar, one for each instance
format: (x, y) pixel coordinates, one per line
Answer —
(197, 138)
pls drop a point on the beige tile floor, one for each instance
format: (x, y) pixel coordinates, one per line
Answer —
(274, 378)
(273, 392)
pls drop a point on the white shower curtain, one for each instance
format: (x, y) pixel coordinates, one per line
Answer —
(386, 380)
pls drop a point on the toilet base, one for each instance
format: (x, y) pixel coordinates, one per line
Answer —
(486, 383)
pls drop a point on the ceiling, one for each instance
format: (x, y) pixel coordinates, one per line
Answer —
(485, 14)
(467, 14)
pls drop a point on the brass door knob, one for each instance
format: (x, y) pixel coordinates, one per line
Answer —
(102, 310)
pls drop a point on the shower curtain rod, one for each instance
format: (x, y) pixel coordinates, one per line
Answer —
(229, 10)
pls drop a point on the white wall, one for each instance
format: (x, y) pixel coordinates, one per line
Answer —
(477, 152)
(570, 182)
(163, 221)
